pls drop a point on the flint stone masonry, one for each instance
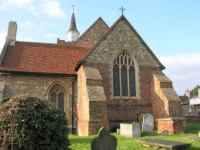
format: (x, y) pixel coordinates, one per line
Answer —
(122, 37)
(93, 34)
(148, 122)
(130, 130)
(38, 85)
(104, 141)
(2, 87)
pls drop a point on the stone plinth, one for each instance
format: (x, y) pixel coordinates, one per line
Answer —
(130, 130)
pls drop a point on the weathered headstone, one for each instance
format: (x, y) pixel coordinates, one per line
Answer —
(148, 122)
(140, 118)
(136, 129)
(104, 141)
(130, 130)
(199, 134)
(165, 132)
(118, 131)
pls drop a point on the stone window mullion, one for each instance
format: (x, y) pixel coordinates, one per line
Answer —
(120, 81)
(128, 81)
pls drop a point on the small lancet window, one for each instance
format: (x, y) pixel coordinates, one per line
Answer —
(58, 96)
(124, 76)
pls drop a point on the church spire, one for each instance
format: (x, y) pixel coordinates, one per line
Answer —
(73, 23)
(72, 34)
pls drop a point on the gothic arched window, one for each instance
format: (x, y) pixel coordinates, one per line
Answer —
(58, 96)
(124, 76)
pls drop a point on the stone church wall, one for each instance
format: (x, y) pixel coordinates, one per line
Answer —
(93, 34)
(123, 38)
(125, 110)
(37, 85)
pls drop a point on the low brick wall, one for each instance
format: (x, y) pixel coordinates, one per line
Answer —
(174, 125)
(193, 119)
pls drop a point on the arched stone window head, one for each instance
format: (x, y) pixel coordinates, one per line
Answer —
(58, 96)
(124, 76)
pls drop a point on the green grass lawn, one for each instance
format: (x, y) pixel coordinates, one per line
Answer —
(125, 143)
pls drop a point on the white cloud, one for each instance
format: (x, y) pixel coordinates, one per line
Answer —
(183, 70)
(49, 7)
(52, 9)
(2, 39)
(33, 10)
(50, 35)
(112, 14)
(29, 24)
(19, 3)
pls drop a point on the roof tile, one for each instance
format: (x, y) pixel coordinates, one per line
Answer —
(43, 58)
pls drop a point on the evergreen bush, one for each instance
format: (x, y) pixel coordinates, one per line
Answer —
(31, 123)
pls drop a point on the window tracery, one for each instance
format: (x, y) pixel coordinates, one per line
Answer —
(124, 76)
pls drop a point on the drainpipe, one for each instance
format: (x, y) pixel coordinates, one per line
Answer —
(72, 105)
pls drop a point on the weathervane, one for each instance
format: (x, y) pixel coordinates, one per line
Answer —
(122, 9)
(73, 7)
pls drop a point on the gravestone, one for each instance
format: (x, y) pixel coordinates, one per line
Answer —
(130, 130)
(164, 143)
(136, 129)
(140, 118)
(199, 134)
(148, 122)
(104, 141)
(118, 131)
(165, 133)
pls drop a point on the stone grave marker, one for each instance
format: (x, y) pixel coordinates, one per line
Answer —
(104, 141)
(136, 129)
(165, 133)
(164, 143)
(140, 118)
(148, 122)
(118, 131)
(130, 129)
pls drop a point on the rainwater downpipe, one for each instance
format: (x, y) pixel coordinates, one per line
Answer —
(72, 105)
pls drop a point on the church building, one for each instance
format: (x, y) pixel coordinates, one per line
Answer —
(104, 77)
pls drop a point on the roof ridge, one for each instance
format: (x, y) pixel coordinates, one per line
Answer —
(89, 29)
(122, 17)
(52, 44)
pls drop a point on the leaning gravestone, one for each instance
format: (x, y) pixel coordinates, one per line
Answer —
(148, 122)
(104, 141)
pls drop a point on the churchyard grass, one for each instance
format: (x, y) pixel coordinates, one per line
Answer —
(125, 143)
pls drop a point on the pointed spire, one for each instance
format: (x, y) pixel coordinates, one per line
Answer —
(72, 34)
(73, 23)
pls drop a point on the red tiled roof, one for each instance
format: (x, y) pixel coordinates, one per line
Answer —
(183, 98)
(43, 58)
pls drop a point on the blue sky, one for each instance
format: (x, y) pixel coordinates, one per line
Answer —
(171, 28)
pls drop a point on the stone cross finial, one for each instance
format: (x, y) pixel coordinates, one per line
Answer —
(122, 9)
(104, 141)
